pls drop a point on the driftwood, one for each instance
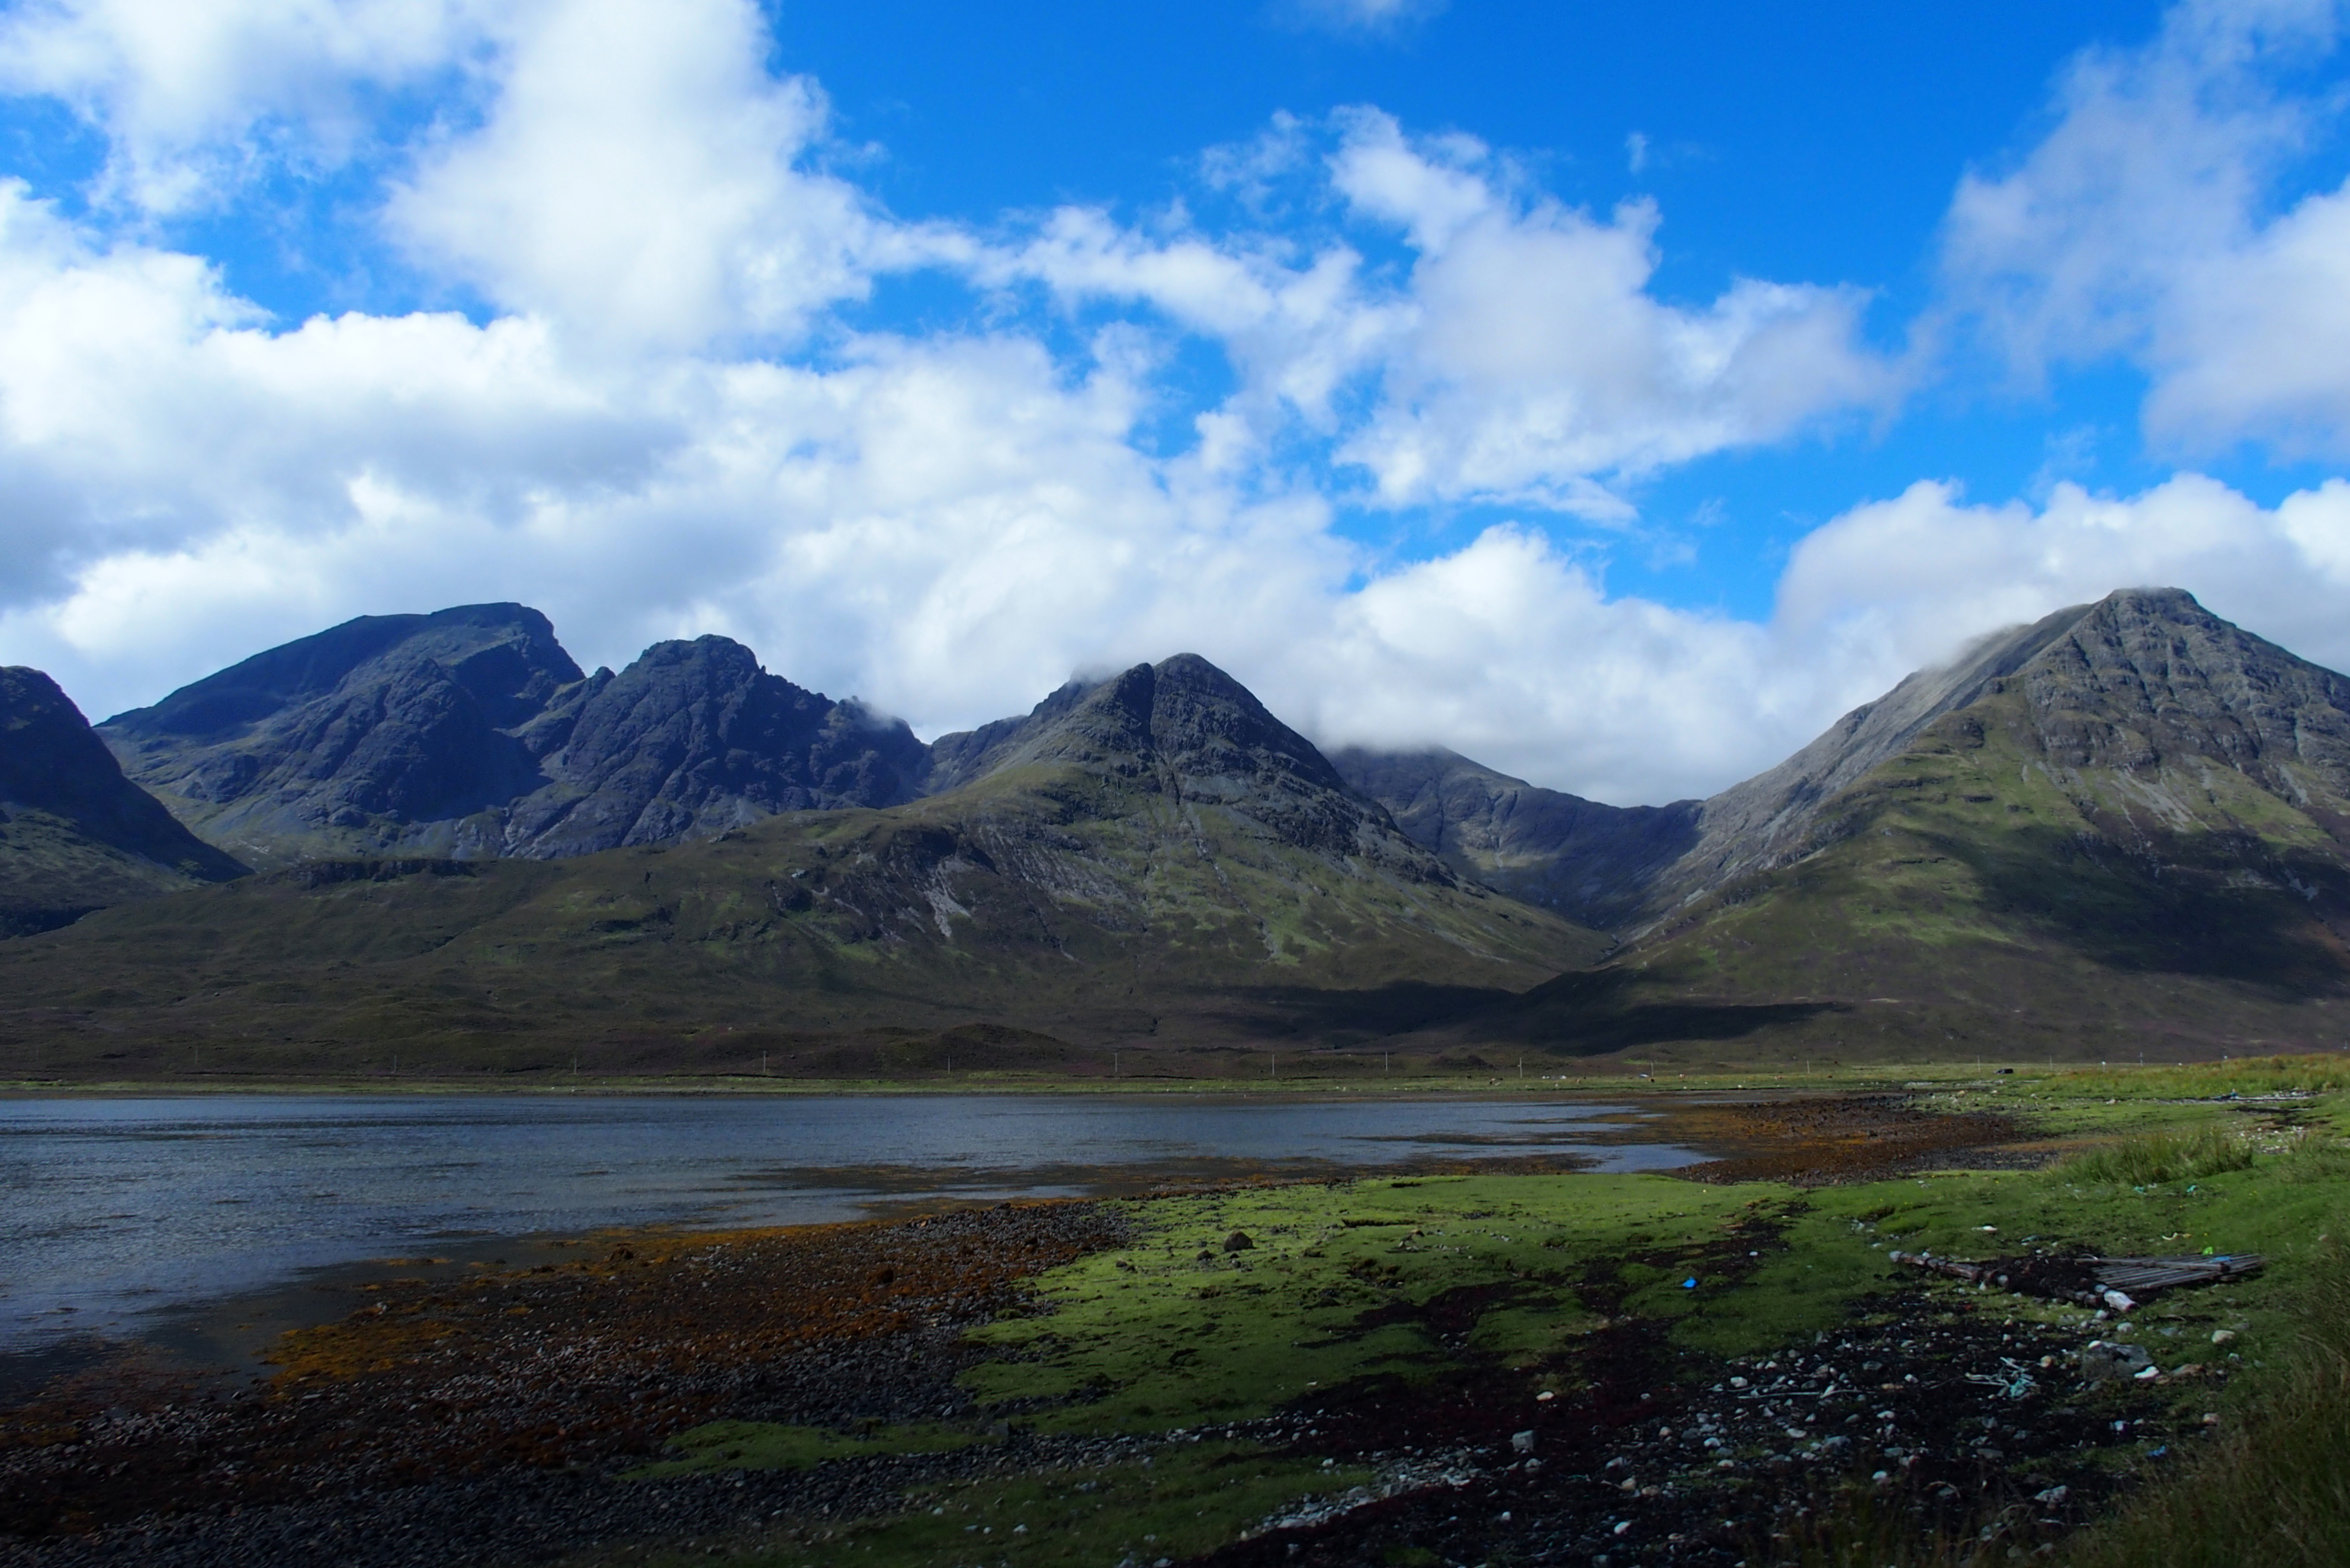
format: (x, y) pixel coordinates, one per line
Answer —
(2147, 1275)
(2115, 1282)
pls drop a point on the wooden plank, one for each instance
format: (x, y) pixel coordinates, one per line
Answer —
(2134, 1277)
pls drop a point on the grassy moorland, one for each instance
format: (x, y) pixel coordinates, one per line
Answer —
(997, 928)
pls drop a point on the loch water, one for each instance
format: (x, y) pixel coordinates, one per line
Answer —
(122, 1210)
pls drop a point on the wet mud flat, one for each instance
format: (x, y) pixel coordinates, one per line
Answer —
(510, 1417)
(1840, 1138)
(487, 1420)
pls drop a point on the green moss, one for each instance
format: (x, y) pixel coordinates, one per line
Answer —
(1348, 1282)
(765, 1446)
(1184, 1501)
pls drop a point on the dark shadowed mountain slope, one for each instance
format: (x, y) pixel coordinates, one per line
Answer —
(1590, 862)
(75, 835)
(403, 733)
(1156, 863)
(2126, 830)
(469, 732)
(693, 739)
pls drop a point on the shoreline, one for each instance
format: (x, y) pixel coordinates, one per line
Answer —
(1715, 1139)
(1889, 1077)
(791, 1390)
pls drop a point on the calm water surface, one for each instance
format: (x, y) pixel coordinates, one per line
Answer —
(118, 1209)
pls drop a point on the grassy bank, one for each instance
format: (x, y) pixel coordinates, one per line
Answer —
(1297, 1364)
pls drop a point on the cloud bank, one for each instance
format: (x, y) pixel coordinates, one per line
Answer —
(658, 414)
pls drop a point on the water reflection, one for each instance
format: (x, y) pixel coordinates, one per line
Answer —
(119, 1206)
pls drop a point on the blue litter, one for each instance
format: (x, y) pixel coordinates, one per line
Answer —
(1689, 1284)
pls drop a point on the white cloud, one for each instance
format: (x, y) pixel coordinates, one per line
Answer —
(194, 96)
(1537, 366)
(1523, 359)
(1913, 577)
(948, 524)
(2141, 226)
(639, 180)
(1510, 653)
(948, 527)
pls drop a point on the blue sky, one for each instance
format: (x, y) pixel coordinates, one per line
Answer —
(1613, 392)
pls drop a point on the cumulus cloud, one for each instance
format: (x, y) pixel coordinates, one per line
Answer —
(639, 180)
(1535, 366)
(2142, 226)
(948, 523)
(1523, 358)
(194, 97)
(1915, 577)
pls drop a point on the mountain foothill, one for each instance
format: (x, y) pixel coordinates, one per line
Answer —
(432, 843)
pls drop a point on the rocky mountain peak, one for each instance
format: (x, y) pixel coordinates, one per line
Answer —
(505, 657)
(1206, 727)
(471, 732)
(1186, 731)
(694, 738)
(2149, 676)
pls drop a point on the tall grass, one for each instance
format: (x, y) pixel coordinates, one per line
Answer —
(1870, 1531)
(2274, 1492)
(2153, 1157)
(2310, 1075)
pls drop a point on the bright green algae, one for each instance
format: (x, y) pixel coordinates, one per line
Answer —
(1339, 1282)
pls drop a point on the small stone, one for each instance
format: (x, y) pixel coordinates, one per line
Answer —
(1522, 1442)
(1238, 1241)
(2223, 1335)
(2102, 1359)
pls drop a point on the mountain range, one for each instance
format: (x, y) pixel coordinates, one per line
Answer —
(471, 732)
(2124, 826)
